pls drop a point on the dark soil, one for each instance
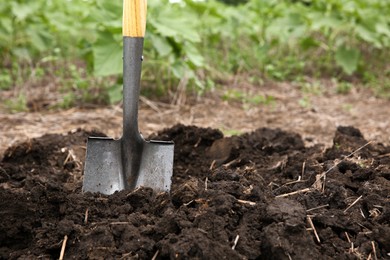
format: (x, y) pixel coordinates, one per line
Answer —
(252, 196)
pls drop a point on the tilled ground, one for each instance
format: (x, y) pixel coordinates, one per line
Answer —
(261, 195)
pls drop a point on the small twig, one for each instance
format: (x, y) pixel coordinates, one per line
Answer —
(374, 250)
(384, 155)
(303, 169)
(362, 226)
(247, 202)
(235, 242)
(293, 193)
(198, 142)
(226, 165)
(347, 236)
(67, 157)
(63, 247)
(155, 255)
(352, 249)
(119, 223)
(362, 213)
(205, 183)
(86, 217)
(149, 103)
(188, 203)
(353, 203)
(323, 184)
(213, 164)
(319, 207)
(203, 231)
(293, 182)
(273, 184)
(314, 229)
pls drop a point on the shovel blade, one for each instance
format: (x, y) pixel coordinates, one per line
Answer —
(103, 166)
(156, 165)
(104, 171)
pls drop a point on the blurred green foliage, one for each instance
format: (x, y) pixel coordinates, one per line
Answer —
(198, 42)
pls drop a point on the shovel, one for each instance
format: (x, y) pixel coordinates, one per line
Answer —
(131, 161)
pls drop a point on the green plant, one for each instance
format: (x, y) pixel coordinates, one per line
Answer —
(305, 102)
(247, 98)
(231, 132)
(5, 80)
(18, 104)
(343, 87)
(198, 42)
(311, 87)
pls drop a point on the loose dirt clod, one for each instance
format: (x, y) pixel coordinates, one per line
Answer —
(236, 209)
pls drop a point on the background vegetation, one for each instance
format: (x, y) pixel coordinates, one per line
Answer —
(193, 44)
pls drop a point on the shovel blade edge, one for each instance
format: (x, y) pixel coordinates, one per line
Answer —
(103, 166)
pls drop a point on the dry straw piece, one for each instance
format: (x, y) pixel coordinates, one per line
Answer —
(313, 228)
(353, 203)
(63, 247)
(235, 242)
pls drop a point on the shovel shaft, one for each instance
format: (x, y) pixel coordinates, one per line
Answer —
(134, 23)
(132, 63)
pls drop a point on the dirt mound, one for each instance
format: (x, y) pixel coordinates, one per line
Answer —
(261, 195)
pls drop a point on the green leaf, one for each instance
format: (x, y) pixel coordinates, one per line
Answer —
(161, 45)
(107, 56)
(37, 37)
(22, 53)
(179, 27)
(320, 21)
(6, 23)
(308, 43)
(194, 55)
(178, 69)
(115, 93)
(347, 59)
(383, 28)
(367, 35)
(21, 11)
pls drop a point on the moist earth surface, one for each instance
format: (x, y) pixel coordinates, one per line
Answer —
(259, 195)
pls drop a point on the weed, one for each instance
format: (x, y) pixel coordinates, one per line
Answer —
(5, 80)
(248, 98)
(343, 87)
(18, 104)
(68, 100)
(347, 107)
(313, 87)
(305, 101)
(231, 132)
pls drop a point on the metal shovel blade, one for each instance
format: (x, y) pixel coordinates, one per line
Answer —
(104, 171)
(103, 166)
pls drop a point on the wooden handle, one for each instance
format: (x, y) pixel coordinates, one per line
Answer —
(134, 18)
